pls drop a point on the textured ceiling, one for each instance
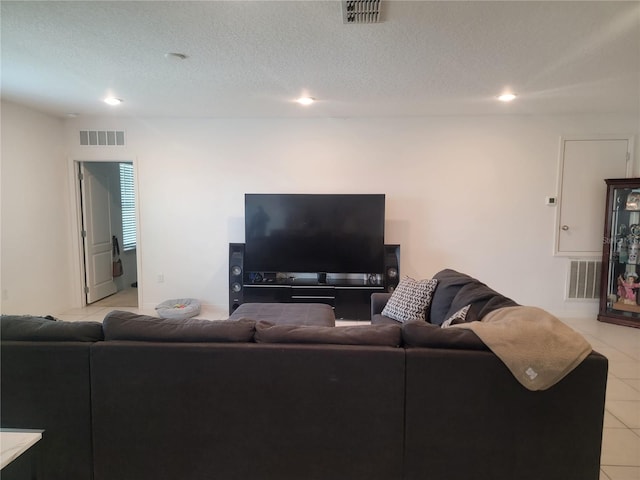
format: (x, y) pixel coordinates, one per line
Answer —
(252, 59)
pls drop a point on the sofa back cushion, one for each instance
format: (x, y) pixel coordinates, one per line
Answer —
(119, 325)
(456, 290)
(427, 335)
(375, 335)
(44, 329)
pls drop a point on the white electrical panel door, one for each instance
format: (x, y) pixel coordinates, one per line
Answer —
(584, 165)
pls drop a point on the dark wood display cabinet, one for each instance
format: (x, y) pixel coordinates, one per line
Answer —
(620, 281)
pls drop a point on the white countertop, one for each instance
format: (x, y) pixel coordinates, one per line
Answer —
(14, 443)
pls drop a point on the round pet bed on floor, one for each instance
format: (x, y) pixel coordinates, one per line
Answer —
(179, 308)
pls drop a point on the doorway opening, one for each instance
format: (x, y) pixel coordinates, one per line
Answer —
(108, 231)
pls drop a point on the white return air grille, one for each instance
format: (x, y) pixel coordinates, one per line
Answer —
(106, 138)
(361, 11)
(584, 279)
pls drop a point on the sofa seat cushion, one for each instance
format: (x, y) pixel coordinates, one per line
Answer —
(43, 329)
(456, 290)
(410, 299)
(119, 325)
(377, 335)
(427, 335)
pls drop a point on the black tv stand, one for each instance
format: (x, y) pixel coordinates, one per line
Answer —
(350, 297)
(348, 293)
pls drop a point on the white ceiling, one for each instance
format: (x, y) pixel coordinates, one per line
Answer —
(252, 59)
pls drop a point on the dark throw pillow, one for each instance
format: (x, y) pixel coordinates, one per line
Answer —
(456, 290)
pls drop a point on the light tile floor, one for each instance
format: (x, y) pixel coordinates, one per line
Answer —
(621, 345)
(621, 439)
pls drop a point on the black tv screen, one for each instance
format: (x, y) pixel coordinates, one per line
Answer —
(339, 233)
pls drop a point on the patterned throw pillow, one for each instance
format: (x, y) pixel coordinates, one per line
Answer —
(458, 317)
(410, 299)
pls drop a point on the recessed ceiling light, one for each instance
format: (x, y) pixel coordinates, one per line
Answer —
(306, 100)
(112, 101)
(507, 97)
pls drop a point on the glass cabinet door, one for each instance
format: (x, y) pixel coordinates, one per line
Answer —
(620, 289)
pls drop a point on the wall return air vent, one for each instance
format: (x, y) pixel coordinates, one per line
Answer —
(584, 279)
(106, 138)
(361, 11)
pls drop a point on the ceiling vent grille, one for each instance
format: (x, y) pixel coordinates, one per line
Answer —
(106, 138)
(584, 279)
(361, 11)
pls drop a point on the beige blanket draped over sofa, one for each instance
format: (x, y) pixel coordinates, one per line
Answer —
(537, 347)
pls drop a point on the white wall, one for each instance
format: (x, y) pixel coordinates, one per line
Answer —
(35, 263)
(462, 192)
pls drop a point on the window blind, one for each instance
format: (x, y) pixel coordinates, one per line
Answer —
(128, 201)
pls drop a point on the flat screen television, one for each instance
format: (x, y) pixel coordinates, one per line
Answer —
(334, 233)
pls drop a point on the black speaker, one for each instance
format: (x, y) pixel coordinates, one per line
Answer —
(391, 267)
(236, 271)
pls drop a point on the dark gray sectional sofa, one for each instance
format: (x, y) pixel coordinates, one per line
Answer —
(138, 398)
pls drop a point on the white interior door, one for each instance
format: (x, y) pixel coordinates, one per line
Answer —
(585, 163)
(96, 220)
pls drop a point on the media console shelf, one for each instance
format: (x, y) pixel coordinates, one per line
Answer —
(348, 294)
(350, 298)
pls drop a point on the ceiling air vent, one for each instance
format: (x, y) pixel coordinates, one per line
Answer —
(361, 11)
(107, 138)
